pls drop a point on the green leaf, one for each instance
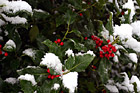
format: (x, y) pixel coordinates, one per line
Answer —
(76, 3)
(26, 86)
(54, 48)
(70, 62)
(104, 66)
(70, 17)
(135, 87)
(78, 46)
(59, 21)
(78, 33)
(33, 33)
(82, 62)
(138, 1)
(33, 71)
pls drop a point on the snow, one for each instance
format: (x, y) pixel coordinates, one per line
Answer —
(52, 61)
(15, 20)
(133, 57)
(10, 44)
(2, 22)
(29, 52)
(115, 58)
(124, 31)
(112, 88)
(132, 44)
(69, 52)
(56, 86)
(135, 79)
(15, 6)
(11, 80)
(70, 81)
(126, 85)
(130, 5)
(136, 28)
(88, 52)
(28, 77)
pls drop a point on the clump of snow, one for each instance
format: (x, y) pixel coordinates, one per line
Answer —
(29, 52)
(136, 28)
(88, 52)
(124, 31)
(133, 57)
(1, 22)
(112, 88)
(91, 53)
(105, 33)
(39, 10)
(56, 86)
(130, 5)
(69, 52)
(135, 79)
(125, 85)
(132, 44)
(28, 77)
(31, 67)
(15, 20)
(10, 44)
(11, 80)
(52, 61)
(70, 81)
(115, 58)
(15, 6)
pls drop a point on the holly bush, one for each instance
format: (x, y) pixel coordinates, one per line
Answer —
(69, 46)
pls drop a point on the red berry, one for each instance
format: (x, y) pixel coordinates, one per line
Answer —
(48, 70)
(86, 38)
(114, 49)
(49, 76)
(108, 41)
(97, 42)
(101, 56)
(94, 67)
(61, 43)
(58, 40)
(0, 52)
(109, 45)
(0, 46)
(101, 41)
(57, 75)
(5, 54)
(80, 14)
(92, 36)
(122, 12)
(101, 52)
(52, 77)
(109, 51)
(112, 55)
(55, 42)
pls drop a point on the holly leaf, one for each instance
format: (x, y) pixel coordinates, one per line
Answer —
(33, 33)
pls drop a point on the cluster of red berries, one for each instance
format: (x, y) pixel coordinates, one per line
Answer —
(52, 76)
(97, 40)
(107, 50)
(58, 41)
(5, 53)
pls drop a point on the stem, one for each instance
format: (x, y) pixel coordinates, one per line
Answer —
(66, 31)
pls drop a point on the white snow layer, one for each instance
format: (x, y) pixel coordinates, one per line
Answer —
(130, 5)
(29, 52)
(1, 22)
(124, 31)
(28, 77)
(11, 80)
(15, 20)
(52, 61)
(56, 86)
(15, 6)
(69, 52)
(112, 88)
(133, 57)
(10, 44)
(70, 81)
(135, 79)
(136, 28)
